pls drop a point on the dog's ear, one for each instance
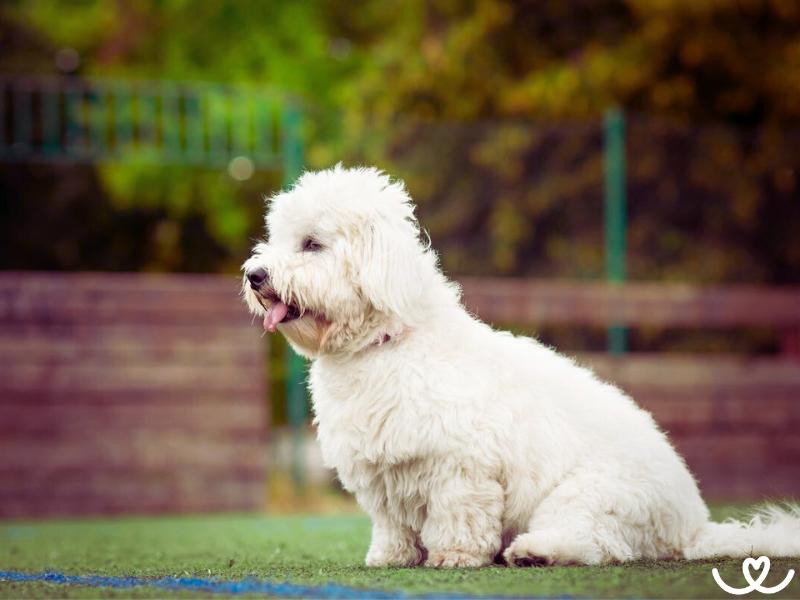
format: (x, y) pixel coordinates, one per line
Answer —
(391, 266)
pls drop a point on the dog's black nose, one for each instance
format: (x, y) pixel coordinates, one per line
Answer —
(257, 277)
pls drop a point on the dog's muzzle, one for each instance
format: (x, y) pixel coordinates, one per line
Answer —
(276, 310)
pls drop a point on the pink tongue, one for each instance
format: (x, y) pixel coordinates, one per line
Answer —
(275, 315)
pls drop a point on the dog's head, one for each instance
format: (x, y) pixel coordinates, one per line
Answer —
(343, 265)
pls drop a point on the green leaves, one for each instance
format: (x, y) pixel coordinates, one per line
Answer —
(491, 111)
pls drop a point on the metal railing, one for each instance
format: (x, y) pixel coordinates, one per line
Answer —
(51, 119)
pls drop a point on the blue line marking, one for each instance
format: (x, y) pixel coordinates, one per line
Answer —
(245, 586)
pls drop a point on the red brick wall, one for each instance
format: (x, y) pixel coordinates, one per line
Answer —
(129, 393)
(144, 393)
(735, 420)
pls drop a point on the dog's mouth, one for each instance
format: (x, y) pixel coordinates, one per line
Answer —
(277, 311)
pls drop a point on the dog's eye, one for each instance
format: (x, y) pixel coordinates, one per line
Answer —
(311, 245)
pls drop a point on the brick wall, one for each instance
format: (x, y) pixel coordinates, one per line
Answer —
(129, 393)
(736, 420)
(145, 393)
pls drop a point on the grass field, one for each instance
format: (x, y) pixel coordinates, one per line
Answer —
(308, 550)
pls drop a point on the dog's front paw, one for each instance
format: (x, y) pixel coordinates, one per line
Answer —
(455, 558)
(394, 556)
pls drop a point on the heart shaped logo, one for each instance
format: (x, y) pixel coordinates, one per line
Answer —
(762, 562)
(761, 566)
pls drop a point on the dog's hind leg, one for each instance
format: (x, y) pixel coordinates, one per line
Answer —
(584, 520)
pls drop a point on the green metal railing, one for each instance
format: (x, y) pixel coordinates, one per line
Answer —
(164, 122)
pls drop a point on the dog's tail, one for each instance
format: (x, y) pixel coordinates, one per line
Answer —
(772, 531)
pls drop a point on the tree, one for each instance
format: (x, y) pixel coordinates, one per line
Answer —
(277, 45)
(491, 110)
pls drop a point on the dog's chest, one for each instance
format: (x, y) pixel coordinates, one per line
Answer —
(368, 429)
(382, 477)
(360, 443)
(402, 489)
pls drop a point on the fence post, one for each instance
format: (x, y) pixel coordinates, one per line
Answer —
(51, 118)
(297, 405)
(23, 116)
(615, 214)
(2, 115)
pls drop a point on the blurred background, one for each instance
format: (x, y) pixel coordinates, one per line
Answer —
(618, 178)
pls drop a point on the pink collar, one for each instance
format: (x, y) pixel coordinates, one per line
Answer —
(382, 340)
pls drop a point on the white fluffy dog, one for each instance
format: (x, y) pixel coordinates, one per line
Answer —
(466, 444)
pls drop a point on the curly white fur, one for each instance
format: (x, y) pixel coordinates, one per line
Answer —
(464, 443)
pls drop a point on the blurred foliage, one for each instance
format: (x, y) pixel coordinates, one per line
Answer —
(713, 94)
(491, 111)
(270, 44)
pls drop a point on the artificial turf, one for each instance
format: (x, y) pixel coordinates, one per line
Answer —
(312, 550)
